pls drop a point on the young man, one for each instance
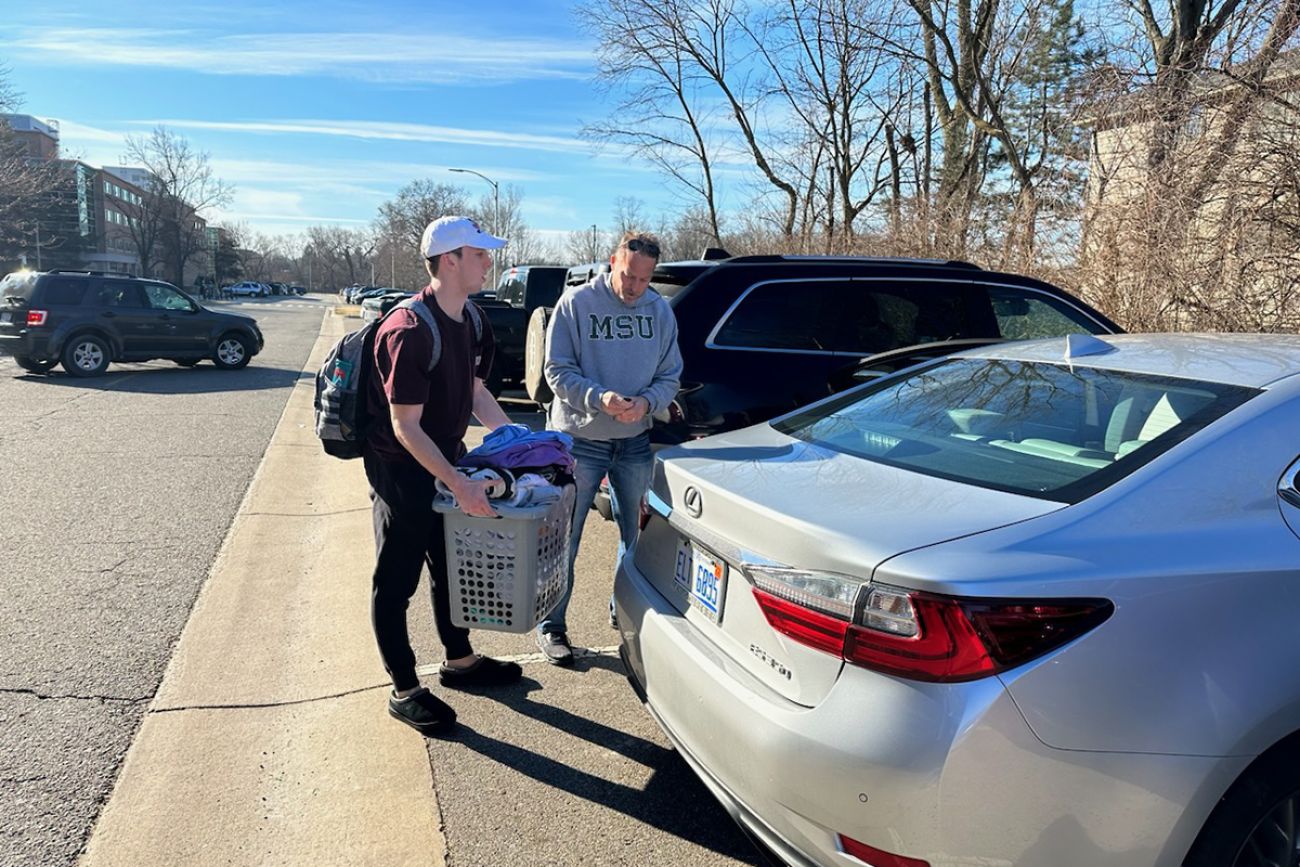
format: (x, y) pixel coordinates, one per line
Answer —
(420, 420)
(612, 361)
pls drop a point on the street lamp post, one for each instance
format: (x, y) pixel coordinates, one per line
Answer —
(496, 216)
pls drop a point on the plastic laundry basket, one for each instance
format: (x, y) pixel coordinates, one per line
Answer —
(507, 573)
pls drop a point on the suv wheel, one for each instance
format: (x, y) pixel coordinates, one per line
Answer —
(231, 352)
(36, 365)
(86, 355)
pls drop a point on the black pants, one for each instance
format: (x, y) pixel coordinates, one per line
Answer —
(408, 535)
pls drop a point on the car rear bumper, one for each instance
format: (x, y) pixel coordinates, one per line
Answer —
(26, 341)
(946, 773)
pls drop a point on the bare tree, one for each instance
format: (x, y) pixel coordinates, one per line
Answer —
(36, 196)
(665, 54)
(339, 257)
(524, 247)
(401, 222)
(181, 190)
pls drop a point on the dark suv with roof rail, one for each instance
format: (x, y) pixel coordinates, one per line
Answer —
(763, 335)
(85, 319)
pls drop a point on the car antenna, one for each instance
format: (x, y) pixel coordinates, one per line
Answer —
(1080, 345)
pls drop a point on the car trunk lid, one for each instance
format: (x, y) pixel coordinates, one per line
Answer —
(757, 498)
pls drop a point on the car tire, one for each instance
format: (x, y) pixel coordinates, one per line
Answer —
(36, 365)
(535, 384)
(85, 355)
(1249, 822)
(232, 351)
(603, 505)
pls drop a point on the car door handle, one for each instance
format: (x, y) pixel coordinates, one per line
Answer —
(108, 314)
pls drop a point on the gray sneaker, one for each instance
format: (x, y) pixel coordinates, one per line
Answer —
(556, 647)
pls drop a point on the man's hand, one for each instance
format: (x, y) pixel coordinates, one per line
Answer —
(615, 404)
(638, 408)
(471, 497)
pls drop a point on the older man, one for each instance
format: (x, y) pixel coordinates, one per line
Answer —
(612, 361)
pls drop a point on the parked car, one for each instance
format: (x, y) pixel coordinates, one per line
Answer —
(1028, 605)
(376, 306)
(762, 335)
(86, 319)
(521, 290)
(248, 288)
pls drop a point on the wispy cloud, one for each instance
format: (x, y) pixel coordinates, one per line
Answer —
(392, 131)
(381, 57)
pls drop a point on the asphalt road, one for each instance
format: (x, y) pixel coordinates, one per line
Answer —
(116, 495)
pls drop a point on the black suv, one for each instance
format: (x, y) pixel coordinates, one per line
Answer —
(763, 335)
(86, 319)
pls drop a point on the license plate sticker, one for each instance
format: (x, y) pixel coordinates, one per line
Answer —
(703, 577)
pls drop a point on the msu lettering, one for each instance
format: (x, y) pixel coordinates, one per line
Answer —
(624, 326)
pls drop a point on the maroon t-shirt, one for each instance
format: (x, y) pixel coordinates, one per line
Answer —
(403, 345)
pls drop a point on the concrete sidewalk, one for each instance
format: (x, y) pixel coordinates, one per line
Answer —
(268, 741)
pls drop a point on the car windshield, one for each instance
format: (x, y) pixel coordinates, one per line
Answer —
(1044, 430)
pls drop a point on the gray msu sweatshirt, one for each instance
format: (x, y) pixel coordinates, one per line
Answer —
(596, 343)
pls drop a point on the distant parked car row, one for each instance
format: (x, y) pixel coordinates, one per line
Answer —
(254, 289)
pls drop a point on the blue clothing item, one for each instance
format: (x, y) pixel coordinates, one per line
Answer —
(514, 445)
(509, 435)
(628, 462)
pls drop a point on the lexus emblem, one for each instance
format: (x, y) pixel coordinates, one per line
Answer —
(693, 502)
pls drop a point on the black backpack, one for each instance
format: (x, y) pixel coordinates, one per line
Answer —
(343, 418)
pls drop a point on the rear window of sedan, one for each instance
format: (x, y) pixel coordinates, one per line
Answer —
(1044, 430)
(19, 284)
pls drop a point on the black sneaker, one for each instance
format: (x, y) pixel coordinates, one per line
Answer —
(556, 647)
(486, 672)
(423, 711)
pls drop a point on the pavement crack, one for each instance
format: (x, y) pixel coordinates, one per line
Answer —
(268, 704)
(70, 697)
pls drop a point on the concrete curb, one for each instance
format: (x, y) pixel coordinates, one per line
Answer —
(268, 741)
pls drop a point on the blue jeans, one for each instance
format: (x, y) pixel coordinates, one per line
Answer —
(628, 463)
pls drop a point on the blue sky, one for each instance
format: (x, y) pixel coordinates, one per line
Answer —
(317, 112)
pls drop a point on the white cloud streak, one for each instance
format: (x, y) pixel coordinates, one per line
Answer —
(378, 57)
(388, 130)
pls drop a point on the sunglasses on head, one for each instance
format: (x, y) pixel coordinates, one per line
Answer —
(650, 248)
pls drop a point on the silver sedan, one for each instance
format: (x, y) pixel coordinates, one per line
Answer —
(1032, 605)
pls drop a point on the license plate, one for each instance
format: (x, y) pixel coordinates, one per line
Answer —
(704, 577)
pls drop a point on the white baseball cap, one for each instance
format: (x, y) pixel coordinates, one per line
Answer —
(451, 233)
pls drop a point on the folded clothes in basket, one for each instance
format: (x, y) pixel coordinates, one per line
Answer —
(501, 483)
(533, 490)
(514, 445)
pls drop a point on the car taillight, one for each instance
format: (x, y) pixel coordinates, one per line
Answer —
(877, 857)
(643, 515)
(920, 636)
(37, 317)
(813, 608)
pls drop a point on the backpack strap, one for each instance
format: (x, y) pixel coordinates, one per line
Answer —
(416, 304)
